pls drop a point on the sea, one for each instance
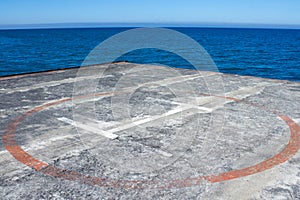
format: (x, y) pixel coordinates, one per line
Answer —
(267, 53)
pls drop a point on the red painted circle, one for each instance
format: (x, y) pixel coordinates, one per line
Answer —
(18, 153)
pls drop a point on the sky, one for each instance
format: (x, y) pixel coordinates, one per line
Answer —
(17, 12)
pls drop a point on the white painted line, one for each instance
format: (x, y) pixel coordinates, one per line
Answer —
(109, 134)
(218, 103)
(91, 127)
(148, 119)
(164, 153)
(192, 105)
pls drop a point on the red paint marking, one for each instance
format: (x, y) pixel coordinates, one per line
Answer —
(19, 154)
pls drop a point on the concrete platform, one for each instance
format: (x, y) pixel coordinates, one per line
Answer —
(148, 132)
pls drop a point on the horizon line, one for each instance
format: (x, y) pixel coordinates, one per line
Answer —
(147, 24)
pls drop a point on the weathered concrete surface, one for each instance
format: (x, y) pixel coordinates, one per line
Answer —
(150, 126)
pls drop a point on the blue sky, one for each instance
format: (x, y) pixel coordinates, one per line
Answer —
(150, 11)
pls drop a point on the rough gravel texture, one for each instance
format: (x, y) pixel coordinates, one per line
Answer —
(163, 125)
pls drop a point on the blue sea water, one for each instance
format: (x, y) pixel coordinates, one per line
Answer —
(269, 53)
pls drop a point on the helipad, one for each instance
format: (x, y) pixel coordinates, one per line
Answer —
(148, 132)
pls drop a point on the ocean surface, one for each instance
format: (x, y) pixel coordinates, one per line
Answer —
(268, 53)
